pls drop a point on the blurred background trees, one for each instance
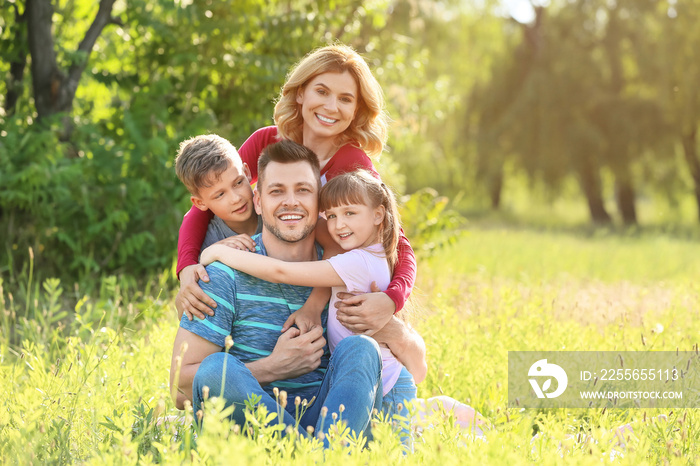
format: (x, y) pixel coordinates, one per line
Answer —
(590, 99)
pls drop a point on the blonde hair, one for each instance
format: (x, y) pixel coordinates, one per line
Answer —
(201, 161)
(368, 130)
(361, 187)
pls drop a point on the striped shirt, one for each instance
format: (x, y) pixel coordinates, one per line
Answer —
(252, 311)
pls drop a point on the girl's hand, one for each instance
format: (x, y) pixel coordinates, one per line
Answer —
(365, 313)
(210, 254)
(305, 319)
(242, 242)
(191, 299)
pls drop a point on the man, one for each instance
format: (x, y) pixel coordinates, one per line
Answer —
(253, 311)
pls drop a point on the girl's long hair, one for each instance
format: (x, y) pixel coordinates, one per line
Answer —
(368, 130)
(361, 187)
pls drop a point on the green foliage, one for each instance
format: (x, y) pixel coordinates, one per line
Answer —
(595, 85)
(89, 205)
(428, 222)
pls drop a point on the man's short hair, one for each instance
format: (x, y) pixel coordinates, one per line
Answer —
(286, 151)
(201, 161)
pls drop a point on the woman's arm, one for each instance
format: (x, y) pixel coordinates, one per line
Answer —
(251, 149)
(407, 345)
(370, 312)
(192, 232)
(315, 273)
(404, 276)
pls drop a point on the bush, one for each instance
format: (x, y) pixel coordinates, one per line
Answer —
(91, 205)
(428, 222)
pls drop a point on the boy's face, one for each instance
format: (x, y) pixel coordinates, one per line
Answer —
(230, 197)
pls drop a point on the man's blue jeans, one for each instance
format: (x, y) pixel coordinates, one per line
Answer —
(353, 379)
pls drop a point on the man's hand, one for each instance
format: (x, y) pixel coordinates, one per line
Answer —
(191, 299)
(365, 313)
(294, 355)
(242, 242)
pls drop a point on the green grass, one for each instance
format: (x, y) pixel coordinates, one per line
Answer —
(94, 395)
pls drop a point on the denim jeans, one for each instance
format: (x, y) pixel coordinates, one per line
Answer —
(353, 379)
(402, 392)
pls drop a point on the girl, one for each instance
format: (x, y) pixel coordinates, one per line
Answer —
(362, 218)
(332, 104)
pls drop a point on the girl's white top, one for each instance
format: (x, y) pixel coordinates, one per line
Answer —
(358, 268)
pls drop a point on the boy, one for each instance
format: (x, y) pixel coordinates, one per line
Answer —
(218, 180)
(211, 169)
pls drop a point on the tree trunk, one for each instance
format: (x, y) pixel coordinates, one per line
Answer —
(624, 186)
(496, 187)
(14, 87)
(47, 79)
(589, 178)
(625, 196)
(690, 150)
(618, 152)
(54, 89)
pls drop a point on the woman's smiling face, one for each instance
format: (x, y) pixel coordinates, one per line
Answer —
(328, 104)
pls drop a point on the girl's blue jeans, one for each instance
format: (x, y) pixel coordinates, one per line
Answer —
(394, 406)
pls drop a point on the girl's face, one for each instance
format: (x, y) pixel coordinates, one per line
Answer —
(355, 225)
(328, 104)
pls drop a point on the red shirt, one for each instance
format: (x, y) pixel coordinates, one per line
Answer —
(348, 158)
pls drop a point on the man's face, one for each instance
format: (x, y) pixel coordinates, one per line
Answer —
(287, 200)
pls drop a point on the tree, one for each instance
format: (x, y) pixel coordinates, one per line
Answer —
(55, 86)
(676, 71)
(536, 110)
(430, 56)
(571, 99)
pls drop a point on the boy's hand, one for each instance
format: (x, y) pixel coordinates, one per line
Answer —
(242, 242)
(191, 299)
(305, 319)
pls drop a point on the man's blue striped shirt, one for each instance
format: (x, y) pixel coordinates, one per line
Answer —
(253, 311)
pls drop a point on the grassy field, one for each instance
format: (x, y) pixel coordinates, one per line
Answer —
(88, 387)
